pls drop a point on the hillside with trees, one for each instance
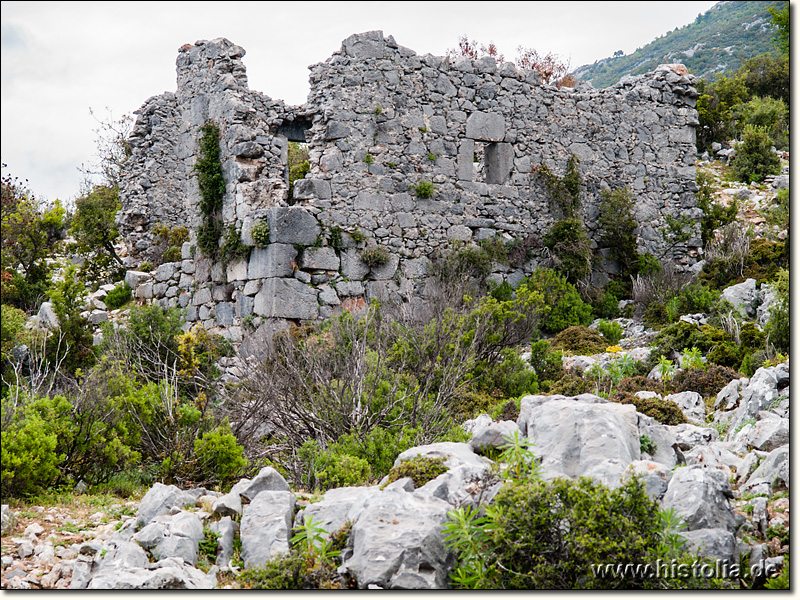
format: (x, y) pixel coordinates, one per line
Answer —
(718, 42)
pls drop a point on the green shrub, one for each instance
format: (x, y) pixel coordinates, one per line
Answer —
(777, 327)
(219, 456)
(663, 411)
(572, 385)
(565, 305)
(578, 339)
(375, 257)
(570, 249)
(73, 344)
(754, 158)
(619, 228)
(647, 445)
(145, 266)
(725, 354)
(706, 382)
(12, 324)
(332, 468)
(564, 191)
(156, 328)
(118, 297)
(510, 377)
(764, 260)
(681, 335)
(421, 469)
(29, 458)
(298, 163)
(610, 330)
(691, 299)
(232, 246)
(546, 363)
(548, 535)
(423, 189)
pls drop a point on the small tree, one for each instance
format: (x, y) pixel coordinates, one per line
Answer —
(95, 232)
(754, 158)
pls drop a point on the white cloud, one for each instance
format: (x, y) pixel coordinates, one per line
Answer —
(59, 59)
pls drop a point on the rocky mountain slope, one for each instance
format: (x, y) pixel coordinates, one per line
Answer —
(717, 42)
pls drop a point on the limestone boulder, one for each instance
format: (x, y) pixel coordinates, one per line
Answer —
(397, 542)
(584, 436)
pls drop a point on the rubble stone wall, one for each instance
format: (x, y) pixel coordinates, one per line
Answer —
(380, 120)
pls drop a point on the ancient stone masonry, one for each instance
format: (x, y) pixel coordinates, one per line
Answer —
(379, 121)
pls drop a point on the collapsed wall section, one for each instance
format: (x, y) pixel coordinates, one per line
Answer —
(380, 121)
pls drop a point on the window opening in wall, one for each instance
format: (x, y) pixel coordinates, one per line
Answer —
(296, 157)
(492, 162)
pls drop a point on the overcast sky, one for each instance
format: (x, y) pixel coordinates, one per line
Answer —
(59, 59)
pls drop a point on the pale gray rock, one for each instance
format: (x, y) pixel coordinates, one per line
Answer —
(654, 475)
(692, 406)
(267, 479)
(712, 543)
(397, 542)
(701, 496)
(266, 527)
(584, 436)
(160, 500)
(493, 435)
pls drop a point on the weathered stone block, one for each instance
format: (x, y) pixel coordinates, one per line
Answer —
(292, 225)
(486, 127)
(276, 260)
(320, 258)
(286, 298)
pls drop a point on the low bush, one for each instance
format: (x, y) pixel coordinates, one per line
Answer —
(548, 535)
(375, 257)
(510, 377)
(546, 363)
(663, 411)
(706, 382)
(571, 385)
(260, 233)
(581, 340)
(565, 305)
(421, 469)
(640, 383)
(423, 189)
(119, 296)
(610, 330)
(691, 299)
(219, 456)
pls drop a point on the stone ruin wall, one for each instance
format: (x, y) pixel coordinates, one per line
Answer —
(379, 119)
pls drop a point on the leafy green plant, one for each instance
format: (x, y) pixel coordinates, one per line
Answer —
(611, 330)
(692, 358)
(671, 544)
(233, 248)
(546, 534)
(777, 327)
(260, 233)
(646, 444)
(368, 158)
(666, 368)
(146, 266)
(209, 545)
(219, 455)
(519, 460)
(423, 189)
(298, 163)
(547, 364)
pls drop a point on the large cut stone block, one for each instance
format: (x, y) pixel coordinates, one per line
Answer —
(292, 225)
(276, 260)
(486, 127)
(287, 299)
